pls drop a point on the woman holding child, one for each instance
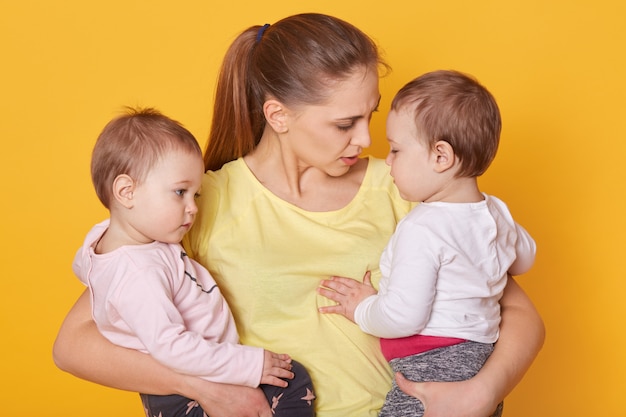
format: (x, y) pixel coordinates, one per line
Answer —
(288, 201)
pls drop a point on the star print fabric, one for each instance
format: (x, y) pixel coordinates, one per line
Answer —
(296, 400)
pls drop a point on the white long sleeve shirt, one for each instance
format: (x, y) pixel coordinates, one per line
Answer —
(154, 299)
(444, 271)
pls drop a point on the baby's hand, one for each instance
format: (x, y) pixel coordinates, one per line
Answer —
(347, 293)
(275, 367)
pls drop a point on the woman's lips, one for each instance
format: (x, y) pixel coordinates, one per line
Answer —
(350, 160)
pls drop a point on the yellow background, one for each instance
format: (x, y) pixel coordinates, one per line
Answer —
(557, 69)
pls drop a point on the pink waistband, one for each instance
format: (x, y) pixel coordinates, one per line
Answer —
(412, 345)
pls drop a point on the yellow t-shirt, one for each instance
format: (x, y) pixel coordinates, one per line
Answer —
(269, 256)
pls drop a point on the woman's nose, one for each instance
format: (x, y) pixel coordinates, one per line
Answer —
(362, 136)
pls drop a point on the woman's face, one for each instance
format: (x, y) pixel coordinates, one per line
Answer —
(332, 135)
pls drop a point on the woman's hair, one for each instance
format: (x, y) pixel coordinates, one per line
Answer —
(132, 144)
(455, 108)
(293, 61)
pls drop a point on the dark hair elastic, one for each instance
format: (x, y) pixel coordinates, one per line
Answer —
(261, 31)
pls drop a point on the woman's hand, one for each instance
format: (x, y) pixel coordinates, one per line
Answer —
(470, 398)
(521, 337)
(222, 400)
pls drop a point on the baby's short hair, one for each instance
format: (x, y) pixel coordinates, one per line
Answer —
(455, 108)
(132, 144)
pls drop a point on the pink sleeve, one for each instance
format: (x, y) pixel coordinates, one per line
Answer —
(146, 304)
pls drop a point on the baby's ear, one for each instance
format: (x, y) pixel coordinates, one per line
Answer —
(123, 190)
(444, 156)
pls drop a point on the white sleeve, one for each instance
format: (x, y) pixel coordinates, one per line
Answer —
(407, 289)
(525, 249)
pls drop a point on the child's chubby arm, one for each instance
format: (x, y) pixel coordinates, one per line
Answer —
(347, 293)
(81, 350)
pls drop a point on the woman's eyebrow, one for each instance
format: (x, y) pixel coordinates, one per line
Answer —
(354, 118)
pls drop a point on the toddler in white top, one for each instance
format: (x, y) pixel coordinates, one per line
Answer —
(445, 267)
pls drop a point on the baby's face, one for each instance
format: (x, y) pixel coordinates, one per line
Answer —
(165, 201)
(410, 158)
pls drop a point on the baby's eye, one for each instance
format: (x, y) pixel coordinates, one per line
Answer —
(180, 193)
(196, 195)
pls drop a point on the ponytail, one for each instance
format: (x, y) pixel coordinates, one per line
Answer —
(235, 129)
(295, 61)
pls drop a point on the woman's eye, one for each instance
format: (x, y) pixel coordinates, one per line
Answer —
(344, 128)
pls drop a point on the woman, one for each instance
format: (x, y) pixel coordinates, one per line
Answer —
(288, 202)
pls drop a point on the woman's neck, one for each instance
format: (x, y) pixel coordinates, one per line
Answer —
(304, 186)
(277, 168)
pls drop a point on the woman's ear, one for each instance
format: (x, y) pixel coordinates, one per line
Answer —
(276, 115)
(444, 156)
(123, 190)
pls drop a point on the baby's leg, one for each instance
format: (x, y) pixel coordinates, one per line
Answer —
(297, 399)
(453, 363)
(170, 406)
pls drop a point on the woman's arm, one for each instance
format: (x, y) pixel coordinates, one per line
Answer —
(521, 337)
(81, 350)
